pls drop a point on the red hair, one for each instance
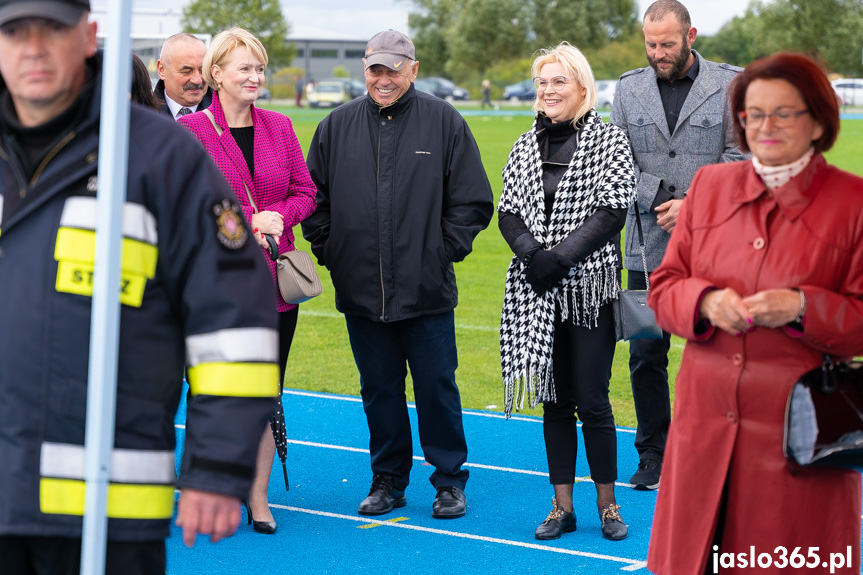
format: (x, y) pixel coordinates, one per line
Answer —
(804, 74)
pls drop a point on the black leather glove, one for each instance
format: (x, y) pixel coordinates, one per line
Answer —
(546, 270)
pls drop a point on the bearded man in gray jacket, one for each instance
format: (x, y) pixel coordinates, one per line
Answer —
(676, 115)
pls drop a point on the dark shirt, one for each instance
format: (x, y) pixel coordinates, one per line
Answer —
(245, 138)
(674, 94)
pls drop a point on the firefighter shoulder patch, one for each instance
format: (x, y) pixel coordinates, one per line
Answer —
(231, 230)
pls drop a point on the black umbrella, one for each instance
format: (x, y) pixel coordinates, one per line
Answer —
(280, 436)
(277, 422)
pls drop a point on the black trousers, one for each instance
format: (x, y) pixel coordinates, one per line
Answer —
(582, 369)
(382, 352)
(648, 374)
(34, 555)
(287, 327)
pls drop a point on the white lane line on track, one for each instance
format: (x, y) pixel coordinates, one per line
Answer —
(631, 564)
(413, 406)
(468, 464)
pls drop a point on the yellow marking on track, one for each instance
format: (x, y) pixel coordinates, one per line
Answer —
(394, 520)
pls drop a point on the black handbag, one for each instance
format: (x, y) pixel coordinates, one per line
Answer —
(633, 319)
(824, 417)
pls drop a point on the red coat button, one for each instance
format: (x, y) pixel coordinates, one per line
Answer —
(758, 243)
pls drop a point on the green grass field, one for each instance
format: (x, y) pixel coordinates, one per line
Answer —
(321, 358)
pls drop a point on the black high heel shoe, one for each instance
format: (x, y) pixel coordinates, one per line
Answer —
(265, 527)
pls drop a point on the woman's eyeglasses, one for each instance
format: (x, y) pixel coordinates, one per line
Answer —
(558, 82)
(782, 118)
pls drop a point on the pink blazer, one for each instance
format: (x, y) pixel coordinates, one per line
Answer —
(281, 183)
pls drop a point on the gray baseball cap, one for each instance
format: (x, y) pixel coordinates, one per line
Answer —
(66, 12)
(390, 49)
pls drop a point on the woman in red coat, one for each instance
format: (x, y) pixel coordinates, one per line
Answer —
(763, 276)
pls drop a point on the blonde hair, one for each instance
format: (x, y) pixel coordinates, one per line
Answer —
(223, 45)
(577, 68)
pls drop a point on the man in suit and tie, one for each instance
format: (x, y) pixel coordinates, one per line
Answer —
(181, 88)
(676, 115)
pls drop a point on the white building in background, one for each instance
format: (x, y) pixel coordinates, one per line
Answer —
(319, 51)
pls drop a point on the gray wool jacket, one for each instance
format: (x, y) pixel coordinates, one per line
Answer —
(704, 135)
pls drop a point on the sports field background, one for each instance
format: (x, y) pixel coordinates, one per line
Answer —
(321, 358)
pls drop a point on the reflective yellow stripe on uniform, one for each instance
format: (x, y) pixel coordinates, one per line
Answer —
(141, 482)
(66, 497)
(76, 247)
(239, 362)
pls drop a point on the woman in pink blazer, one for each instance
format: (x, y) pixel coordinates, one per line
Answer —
(259, 154)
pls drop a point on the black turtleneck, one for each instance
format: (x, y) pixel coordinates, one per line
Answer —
(557, 145)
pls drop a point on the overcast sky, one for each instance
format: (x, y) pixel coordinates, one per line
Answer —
(361, 19)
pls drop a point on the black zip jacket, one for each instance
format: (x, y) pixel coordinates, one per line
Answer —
(402, 193)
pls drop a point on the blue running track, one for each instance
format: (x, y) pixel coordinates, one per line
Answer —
(319, 530)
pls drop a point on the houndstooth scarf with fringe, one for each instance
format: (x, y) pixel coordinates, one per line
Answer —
(600, 174)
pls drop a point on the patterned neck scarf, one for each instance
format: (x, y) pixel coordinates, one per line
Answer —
(777, 176)
(600, 174)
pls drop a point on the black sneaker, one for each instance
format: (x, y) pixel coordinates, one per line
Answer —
(556, 524)
(383, 497)
(647, 476)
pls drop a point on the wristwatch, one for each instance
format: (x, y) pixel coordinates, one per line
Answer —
(799, 318)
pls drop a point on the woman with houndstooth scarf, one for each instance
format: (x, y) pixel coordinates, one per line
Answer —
(566, 187)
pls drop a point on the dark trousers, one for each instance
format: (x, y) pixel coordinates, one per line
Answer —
(648, 374)
(382, 352)
(287, 327)
(582, 369)
(35, 555)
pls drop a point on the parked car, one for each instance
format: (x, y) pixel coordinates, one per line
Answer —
(849, 90)
(524, 90)
(605, 93)
(355, 88)
(265, 94)
(442, 88)
(328, 95)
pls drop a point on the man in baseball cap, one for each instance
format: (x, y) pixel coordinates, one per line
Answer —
(66, 12)
(390, 66)
(410, 160)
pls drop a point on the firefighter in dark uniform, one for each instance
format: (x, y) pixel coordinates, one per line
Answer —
(195, 295)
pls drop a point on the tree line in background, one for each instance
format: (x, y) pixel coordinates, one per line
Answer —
(470, 40)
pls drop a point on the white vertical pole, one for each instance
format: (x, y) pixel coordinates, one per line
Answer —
(105, 318)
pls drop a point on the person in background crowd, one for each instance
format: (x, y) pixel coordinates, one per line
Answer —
(566, 187)
(762, 277)
(675, 114)
(258, 152)
(402, 193)
(181, 88)
(486, 95)
(298, 90)
(185, 251)
(142, 92)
